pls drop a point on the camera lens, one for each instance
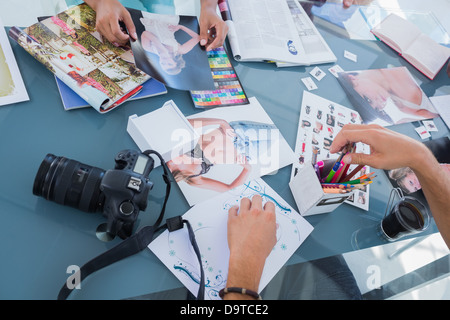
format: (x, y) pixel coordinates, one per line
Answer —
(70, 183)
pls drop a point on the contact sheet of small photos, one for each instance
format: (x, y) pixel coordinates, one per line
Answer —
(320, 121)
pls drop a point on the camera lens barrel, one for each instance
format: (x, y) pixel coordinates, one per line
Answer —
(70, 183)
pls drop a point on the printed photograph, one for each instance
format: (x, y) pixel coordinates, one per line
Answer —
(386, 96)
(407, 181)
(236, 145)
(168, 49)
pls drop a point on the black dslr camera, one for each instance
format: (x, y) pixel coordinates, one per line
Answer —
(119, 193)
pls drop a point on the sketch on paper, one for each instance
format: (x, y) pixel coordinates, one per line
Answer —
(209, 221)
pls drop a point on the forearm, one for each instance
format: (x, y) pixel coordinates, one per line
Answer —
(435, 182)
(91, 3)
(208, 4)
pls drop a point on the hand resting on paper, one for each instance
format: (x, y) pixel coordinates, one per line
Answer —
(391, 150)
(251, 237)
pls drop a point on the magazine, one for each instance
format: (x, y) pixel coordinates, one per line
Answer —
(424, 53)
(386, 96)
(69, 46)
(12, 88)
(316, 49)
(279, 31)
(71, 100)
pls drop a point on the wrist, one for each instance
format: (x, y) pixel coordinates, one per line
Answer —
(244, 272)
(422, 160)
(208, 5)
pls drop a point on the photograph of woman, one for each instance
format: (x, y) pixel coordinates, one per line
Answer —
(386, 96)
(168, 49)
(406, 179)
(235, 146)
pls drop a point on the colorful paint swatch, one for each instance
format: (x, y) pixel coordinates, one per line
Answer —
(229, 91)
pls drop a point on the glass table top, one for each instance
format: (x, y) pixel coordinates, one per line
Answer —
(41, 239)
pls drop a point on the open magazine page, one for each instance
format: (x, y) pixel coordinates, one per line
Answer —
(320, 121)
(12, 88)
(386, 96)
(168, 49)
(316, 49)
(70, 47)
(264, 30)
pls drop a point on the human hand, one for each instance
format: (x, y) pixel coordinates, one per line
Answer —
(213, 29)
(388, 149)
(251, 238)
(347, 3)
(108, 15)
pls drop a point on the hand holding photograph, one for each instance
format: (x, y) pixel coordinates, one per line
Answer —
(168, 49)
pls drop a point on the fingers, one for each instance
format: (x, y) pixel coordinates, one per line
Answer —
(108, 24)
(253, 206)
(221, 30)
(130, 26)
(347, 3)
(354, 133)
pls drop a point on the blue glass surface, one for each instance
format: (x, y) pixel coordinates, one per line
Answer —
(41, 239)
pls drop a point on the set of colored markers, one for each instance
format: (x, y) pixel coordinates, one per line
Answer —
(339, 180)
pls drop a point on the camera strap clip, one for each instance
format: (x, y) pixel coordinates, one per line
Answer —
(175, 223)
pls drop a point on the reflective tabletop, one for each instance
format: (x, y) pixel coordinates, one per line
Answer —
(41, 240)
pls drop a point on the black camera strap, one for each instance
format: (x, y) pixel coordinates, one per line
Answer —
(139, 241)
(132, 245)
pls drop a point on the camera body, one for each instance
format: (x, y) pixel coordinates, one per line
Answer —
(125, 190)
(120, 193)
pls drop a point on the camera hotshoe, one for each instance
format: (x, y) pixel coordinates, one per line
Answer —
(120, 193)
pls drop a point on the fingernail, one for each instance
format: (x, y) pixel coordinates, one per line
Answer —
(347, 159)
(116, 44)
(203, 42)
(134, 35)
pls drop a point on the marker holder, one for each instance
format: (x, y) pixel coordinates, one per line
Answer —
(308, 193)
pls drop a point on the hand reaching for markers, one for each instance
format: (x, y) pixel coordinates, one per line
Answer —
(388, 149)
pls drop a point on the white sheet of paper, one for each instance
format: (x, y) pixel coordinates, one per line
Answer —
(350, 56)
(441, 104)
(309, 83)
(334, 70)
(430, 125)
(317, 73)
(423, 132)
(209, 222)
